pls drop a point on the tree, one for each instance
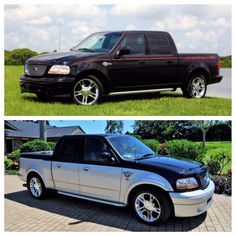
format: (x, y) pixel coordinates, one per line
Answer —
(161, 129)
(114, 127)
(204, 126)
(18, 56)
(42, 130)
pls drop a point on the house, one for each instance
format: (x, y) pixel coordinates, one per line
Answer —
(18, 132)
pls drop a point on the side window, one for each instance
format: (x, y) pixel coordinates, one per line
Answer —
(134, 42)
(93, 149)
(158, 43)
(69, 150)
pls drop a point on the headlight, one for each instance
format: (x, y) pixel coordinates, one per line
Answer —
(59, 70)
(187, 183)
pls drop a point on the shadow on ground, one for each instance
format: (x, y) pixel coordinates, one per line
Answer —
(86, 211)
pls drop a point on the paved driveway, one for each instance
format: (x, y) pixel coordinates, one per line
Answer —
(59, 213)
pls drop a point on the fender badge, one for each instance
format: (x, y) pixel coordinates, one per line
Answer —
(105, 63)
(127, 174)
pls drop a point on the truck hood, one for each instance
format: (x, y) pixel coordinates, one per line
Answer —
(177, 165)
(63, 57)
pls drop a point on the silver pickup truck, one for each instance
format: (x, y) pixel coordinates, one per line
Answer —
(119, 170)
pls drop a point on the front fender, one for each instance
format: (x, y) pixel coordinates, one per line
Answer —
(140, 177)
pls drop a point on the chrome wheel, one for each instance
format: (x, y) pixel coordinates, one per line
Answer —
(147, 207)
(86, 91)
(198, 87)
(36, 187)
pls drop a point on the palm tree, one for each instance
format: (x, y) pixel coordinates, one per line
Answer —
(42, 130)
(114, 127)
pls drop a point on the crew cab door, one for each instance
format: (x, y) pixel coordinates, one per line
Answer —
(65, 168)
(129, 70)
(98, 178)
(163, 59)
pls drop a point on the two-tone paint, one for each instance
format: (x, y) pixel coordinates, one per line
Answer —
(113, 183)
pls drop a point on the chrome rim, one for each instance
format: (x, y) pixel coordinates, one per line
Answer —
(198, 87)
(86, 92)
(35, 187)
(147, 207)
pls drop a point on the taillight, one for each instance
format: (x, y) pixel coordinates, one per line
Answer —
(218, 66)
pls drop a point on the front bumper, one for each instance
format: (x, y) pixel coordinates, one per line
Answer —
(192, 203)
(47, 85)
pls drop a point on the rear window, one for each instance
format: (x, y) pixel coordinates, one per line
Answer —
(158, 43)
(69, 150)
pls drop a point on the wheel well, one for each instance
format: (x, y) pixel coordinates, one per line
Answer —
(147, 186)
(202, 71)
(33, 173)
(99, 75)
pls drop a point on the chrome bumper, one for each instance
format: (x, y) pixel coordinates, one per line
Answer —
(192, 203)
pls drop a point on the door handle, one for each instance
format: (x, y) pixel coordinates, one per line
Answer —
(58, 166)
(85, 168)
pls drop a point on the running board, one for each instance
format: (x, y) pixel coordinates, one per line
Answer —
(91, 199)
(141, 91)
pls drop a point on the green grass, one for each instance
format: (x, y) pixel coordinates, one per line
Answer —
(155, 104)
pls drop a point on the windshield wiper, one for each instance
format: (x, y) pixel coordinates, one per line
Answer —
(86, 49)
(146, 155)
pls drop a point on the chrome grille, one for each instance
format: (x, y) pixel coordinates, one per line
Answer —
(35, 69)
(204, 179)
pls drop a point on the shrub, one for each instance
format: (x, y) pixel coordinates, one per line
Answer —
(52, 145)
(186, 149)
(162, 149)
(152, 143)
(14, 156)
(213, 166)
(36, 146)
(218, 162)
(8, 163)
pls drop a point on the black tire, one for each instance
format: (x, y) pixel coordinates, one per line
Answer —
(163, 201)
(191, 91)
(92, 96)
(41, 186)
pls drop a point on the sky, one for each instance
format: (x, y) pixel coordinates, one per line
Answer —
(195, 28)
(91, 126)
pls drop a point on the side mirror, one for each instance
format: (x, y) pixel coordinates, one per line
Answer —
(106, 157)
(123, 51)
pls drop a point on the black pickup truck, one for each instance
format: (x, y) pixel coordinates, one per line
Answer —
(120, 62)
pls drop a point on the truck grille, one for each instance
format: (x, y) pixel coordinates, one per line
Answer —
(204, 179)
(35, 69)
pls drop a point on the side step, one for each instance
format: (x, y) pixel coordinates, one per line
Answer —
(141, 91)
(92, 199)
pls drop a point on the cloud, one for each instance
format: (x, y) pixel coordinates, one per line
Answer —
(136, 10)
(195, 28)
(40, 21)
(130, 27)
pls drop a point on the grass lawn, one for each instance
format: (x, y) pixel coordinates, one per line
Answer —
(214, 148)
(155, 104)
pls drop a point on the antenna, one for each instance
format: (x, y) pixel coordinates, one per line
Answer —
(59, 35)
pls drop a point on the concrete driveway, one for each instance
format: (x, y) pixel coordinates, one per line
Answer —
(59, 213)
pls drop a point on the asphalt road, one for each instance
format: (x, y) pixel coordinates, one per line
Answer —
(222, 89)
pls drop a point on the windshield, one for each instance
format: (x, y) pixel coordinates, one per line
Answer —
(98, 42)
(130, 148)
